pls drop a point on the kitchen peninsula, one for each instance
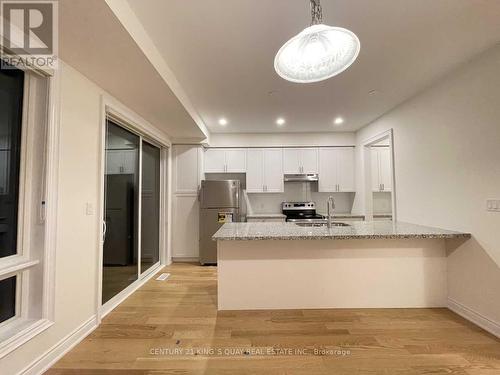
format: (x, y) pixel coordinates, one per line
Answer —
(363, 265)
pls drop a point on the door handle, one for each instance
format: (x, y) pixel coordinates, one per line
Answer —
(104, 230)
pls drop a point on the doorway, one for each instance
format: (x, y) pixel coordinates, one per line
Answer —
(132, 210)
(379, 177)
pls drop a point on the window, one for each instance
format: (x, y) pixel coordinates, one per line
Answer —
(11, 107)
(25, 307)
(8, 298)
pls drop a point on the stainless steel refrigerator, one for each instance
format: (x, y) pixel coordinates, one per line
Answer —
(219, 204)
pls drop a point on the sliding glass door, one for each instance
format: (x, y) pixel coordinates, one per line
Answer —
(120, 250)
(150, 206)
(132, 209)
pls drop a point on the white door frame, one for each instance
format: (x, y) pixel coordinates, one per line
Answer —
(367, 177)
(147, 132)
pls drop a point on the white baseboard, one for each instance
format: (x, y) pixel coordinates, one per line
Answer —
(474, 317)
(45, 361)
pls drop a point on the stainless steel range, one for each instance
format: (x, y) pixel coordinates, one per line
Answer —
(302, 212)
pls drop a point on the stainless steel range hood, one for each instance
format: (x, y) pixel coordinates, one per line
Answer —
(303, 177)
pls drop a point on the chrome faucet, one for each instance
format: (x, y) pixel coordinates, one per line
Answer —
(330, 206)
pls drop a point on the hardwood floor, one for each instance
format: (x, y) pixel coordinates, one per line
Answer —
(173, 327)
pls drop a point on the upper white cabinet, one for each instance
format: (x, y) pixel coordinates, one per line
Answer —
(300, 160)
(336, 169)
(265, 170)
(381, 169)
(219, 160)
(122, 161)
(214, 160)
(187, 169)
(236, 160)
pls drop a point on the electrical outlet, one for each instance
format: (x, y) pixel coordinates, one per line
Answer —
(493, 205)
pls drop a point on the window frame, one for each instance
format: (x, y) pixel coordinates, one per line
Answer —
(31, 319)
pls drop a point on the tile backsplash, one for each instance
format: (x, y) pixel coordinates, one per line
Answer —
(297, 192)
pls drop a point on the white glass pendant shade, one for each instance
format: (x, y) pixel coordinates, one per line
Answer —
(317, 53)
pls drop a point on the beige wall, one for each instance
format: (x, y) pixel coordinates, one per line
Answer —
(447, 164)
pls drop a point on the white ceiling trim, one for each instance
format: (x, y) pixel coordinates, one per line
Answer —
(134, 27)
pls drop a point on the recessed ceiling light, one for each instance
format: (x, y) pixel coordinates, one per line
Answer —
(280, 121)
(338, 121)
(222, 122)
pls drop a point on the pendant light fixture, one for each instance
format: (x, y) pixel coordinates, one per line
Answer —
(318, 52)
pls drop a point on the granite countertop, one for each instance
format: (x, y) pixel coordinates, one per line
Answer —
(261, 216)
(355, 230)
(339, 215)
(345, 215)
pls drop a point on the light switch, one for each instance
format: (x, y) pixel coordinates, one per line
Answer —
(89, 209)
(493, 205)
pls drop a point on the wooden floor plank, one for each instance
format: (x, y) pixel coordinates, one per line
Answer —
(173, 327)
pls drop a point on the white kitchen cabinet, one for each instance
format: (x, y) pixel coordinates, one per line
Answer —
(273, 171)
(385, 168)
(381, 169)
(300, 160)
(265, 170)
(236, 160)
(336, 169)
(121, 161)
(186, 175)
(218, 160)
(214, 160)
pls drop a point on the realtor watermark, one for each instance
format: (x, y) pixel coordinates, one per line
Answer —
(29, 31)
(246, 351)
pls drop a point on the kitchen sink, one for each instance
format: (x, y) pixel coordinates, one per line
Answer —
(334, 224)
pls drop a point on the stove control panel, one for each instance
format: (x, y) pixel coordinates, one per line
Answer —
(298, 206)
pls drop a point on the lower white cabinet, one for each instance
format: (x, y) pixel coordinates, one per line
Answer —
(265, 170)
(381, 169)
(336, 169)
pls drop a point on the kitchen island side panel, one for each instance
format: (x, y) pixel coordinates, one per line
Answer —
(274, 274)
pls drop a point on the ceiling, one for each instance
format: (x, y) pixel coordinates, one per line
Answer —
(94, 42)
(222, 52)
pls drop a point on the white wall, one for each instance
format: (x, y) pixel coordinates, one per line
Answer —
(447, 164)
(282, 139)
